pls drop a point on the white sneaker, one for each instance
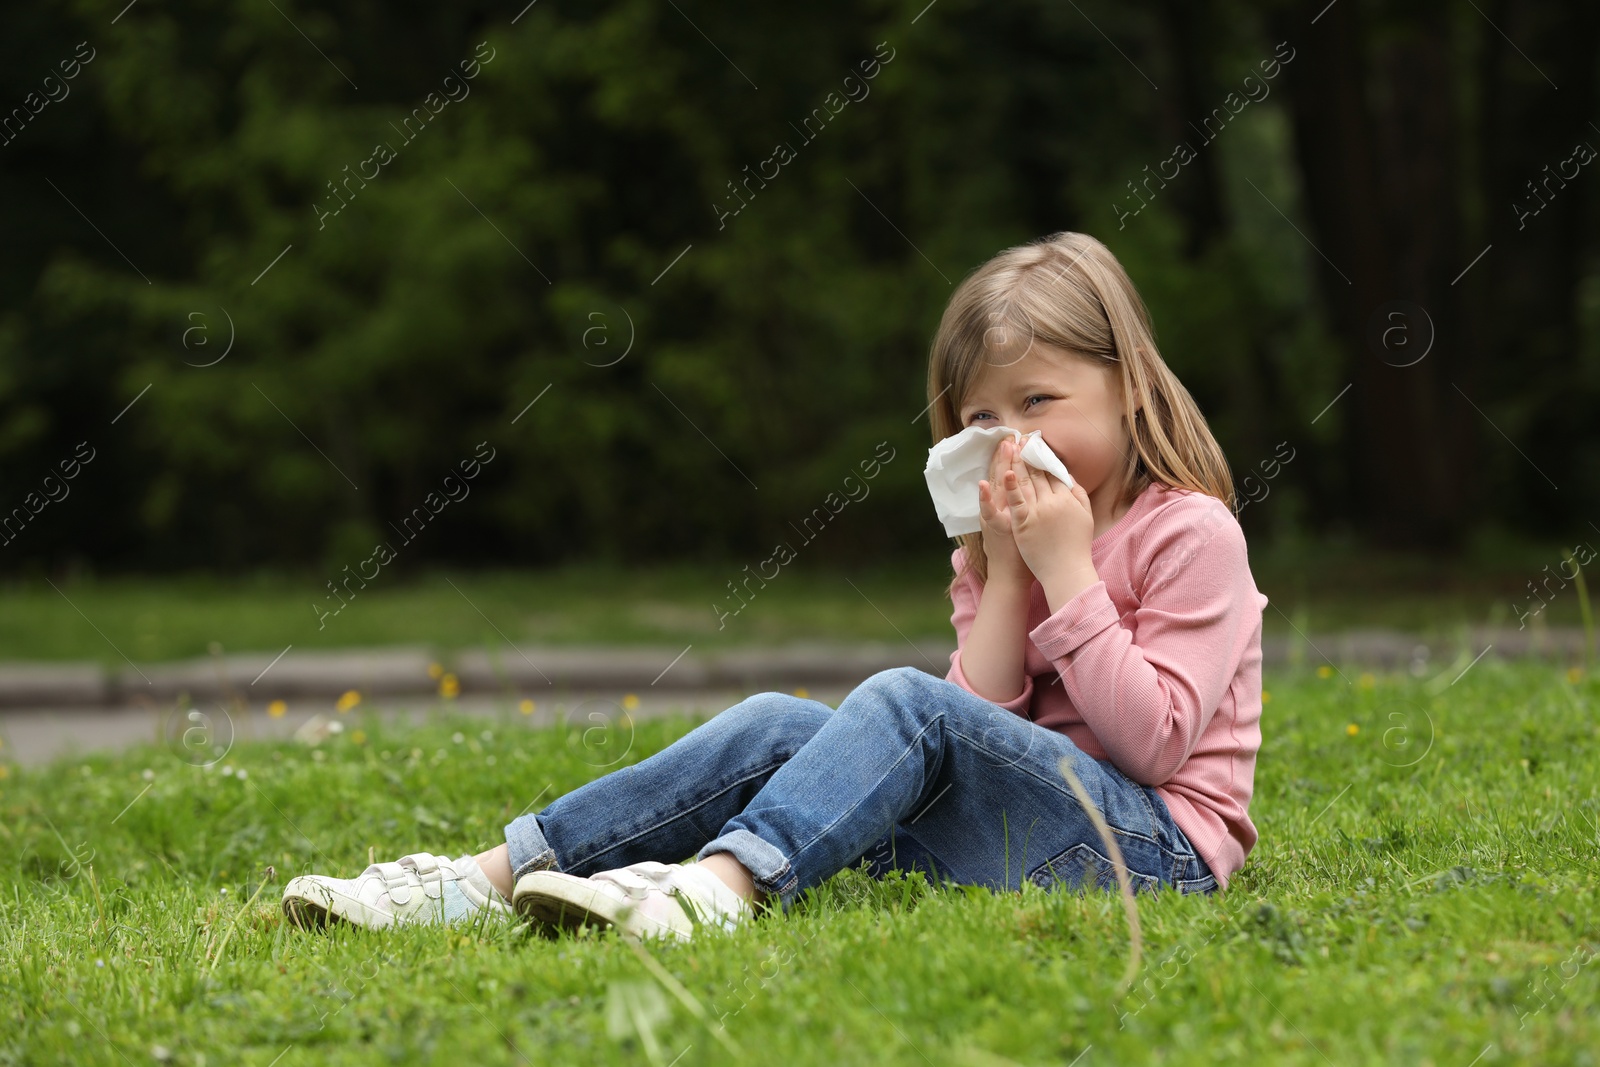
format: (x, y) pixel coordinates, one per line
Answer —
(419, 888)
(645, 899)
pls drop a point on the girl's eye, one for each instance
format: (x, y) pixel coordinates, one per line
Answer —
(985, 414)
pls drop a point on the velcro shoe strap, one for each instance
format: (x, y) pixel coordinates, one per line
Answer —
(424, 862)
(637, 879)
(427, 871)
(397, 879)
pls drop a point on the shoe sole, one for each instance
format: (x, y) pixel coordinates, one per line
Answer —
(565, 902)
(309, 916)
(316, 908)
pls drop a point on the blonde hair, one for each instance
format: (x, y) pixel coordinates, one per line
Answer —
(1067, 290)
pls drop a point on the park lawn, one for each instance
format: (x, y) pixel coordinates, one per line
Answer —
(1423, 892)
(152, 619)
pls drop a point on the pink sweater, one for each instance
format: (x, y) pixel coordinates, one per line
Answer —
(1157, 666)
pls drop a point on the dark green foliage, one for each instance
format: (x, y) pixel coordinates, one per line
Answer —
(531, 231)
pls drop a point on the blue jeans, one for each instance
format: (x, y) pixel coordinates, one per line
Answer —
(912, 771)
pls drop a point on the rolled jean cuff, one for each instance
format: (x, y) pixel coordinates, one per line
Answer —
(769, 868)
(527, 848)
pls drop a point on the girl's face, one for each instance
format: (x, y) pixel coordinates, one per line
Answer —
(1076, 404)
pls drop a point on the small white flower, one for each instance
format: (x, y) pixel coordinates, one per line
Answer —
(457, 737)
(148, 774)
(242, 774)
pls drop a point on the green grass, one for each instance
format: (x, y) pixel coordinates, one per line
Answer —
(1331, 586)
(151, 619)
(154, 619)
(1424, 892)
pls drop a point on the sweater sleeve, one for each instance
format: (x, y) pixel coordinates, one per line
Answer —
(964, 595)
(1148, 686)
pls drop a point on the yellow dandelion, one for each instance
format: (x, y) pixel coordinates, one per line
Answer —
(349, 700)
(277, 708)
(802, 692)
(630, 702)
(358, 737)
(1366, 681)
(449, 686)
(526, 707)
(434, 670)
(1324, 671)
(1266, 697)
(1574, 675)
(5, 772)
(1352, 729)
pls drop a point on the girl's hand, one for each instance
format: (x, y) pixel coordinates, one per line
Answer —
(999, 543)
(1053, 529)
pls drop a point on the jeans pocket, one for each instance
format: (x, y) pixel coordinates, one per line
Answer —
(1204, 884)
(1081, 866)
(1193, 875)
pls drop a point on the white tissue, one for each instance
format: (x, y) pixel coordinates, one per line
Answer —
(958, 463)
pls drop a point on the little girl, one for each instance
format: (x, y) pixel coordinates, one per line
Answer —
(1114, 623)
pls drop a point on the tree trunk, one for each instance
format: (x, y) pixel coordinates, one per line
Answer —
(1378, 113)
(1537, 105)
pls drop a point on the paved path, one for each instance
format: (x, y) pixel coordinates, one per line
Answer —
(53, 709)
(205, 733)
